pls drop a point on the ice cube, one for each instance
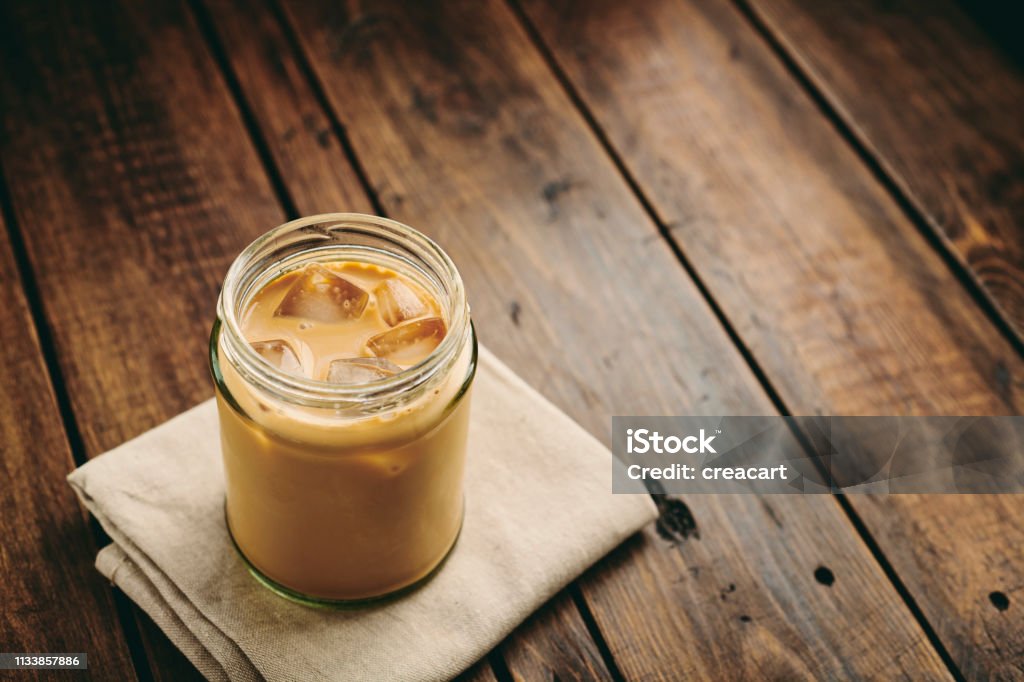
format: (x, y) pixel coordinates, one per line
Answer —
(398, 301)
(321, 295)
(409, 343)
(361, 370)
(279, 353)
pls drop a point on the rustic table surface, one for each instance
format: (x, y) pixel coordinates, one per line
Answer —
(659, 207)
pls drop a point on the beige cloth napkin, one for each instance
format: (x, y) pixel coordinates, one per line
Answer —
(539, 512)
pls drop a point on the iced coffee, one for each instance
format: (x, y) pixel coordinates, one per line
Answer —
(343, 357)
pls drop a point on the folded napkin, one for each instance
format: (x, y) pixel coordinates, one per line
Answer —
(539, 511)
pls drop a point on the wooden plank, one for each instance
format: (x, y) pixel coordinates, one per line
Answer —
(836, 295)
(305, 146)
(134, 185)
(941, 117)
(52, 600)
(553, 644)
(304, 143)
(463, 132)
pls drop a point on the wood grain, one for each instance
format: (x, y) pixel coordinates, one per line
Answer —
(839, 299)
(463, 133)
(301, 138)
(134, 185)
(52, 600)
(553, 643)
(942, 117)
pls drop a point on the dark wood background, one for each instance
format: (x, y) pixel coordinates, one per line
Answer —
(659, 207)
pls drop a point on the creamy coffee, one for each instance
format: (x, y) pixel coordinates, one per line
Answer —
(354, 502)
(343, 322)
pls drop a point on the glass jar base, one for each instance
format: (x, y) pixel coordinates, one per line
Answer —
(343, 604)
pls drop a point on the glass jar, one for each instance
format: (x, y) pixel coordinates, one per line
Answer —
(341, 493)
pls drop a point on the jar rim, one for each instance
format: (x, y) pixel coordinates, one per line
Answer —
(321, 231)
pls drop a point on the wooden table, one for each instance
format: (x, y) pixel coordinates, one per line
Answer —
(659, 207)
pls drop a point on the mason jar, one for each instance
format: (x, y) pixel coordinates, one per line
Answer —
(335, 492)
